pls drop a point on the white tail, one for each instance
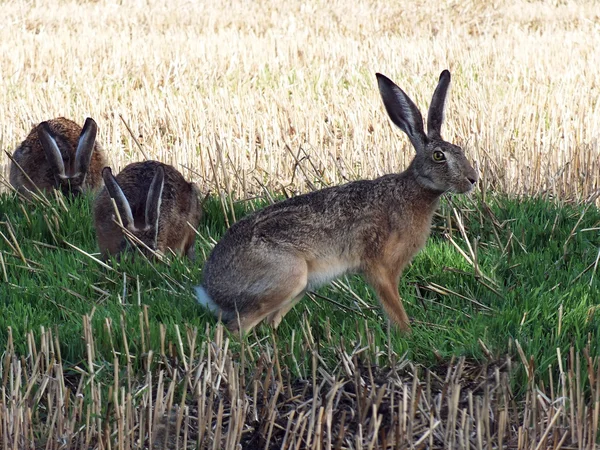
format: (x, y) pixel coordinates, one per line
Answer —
(205, 300)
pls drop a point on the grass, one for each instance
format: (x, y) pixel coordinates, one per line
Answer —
(504, 328)
(535, 281)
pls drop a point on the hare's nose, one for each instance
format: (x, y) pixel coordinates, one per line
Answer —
(473, 173)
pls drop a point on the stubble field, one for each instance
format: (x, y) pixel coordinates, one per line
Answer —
(250, 99)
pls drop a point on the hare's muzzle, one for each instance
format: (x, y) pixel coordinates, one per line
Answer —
(471, 178)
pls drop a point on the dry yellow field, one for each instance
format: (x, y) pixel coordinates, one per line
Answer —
(255, 85)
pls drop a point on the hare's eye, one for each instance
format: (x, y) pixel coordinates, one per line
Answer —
(439, 156)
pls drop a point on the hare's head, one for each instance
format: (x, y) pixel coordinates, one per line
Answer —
(70, 179)
(146, 229)
(438, 165)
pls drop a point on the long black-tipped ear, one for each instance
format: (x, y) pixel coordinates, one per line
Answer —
(116, 192)
(154, 198)
(403, 112)
(435, 117)
(85, 146)
(53, 155)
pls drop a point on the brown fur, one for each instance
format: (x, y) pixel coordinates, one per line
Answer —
(30, 156)
(180, 204)
(266, 261)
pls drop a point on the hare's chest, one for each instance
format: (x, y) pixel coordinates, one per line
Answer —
(419, 231)
(403, 244)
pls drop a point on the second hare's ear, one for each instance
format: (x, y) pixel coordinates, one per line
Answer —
(85, 146)
(435, 117)
(53, 155)
(116, 192)
(154, 198)
(403, 112)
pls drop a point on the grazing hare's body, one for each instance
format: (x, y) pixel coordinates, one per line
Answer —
(58, 154)
(155, 203)
(266, 261)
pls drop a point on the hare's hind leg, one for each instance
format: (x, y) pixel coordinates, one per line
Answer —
(287, 284)
(385, 284)
(276, 317)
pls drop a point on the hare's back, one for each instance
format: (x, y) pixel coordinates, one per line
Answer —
(347, 222)
(31, 158)
(326, 223)
(135, 180)
(30, 154)
(66, 133)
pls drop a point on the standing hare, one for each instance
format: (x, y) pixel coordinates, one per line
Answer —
(268, 260)
(155, 204)
(58, 154)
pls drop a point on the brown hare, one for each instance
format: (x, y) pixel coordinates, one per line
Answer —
(155, 204)
(58, 154)
(266, 262)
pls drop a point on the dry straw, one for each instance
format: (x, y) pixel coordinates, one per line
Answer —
(190, 396)
(280, 80)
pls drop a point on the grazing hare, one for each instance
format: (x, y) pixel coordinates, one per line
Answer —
(155, 204)
(58, 154)
(266, 262)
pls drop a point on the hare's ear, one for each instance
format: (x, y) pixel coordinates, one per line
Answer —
(116, 192)
(435, 117)
(402, 111)
(154, 198)
(85, 146)
(51, 149)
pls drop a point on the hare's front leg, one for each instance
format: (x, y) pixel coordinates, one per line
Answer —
(385, 283)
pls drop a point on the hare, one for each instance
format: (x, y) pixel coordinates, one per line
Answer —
(155, 204)
(266, 262)
(58, 154)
